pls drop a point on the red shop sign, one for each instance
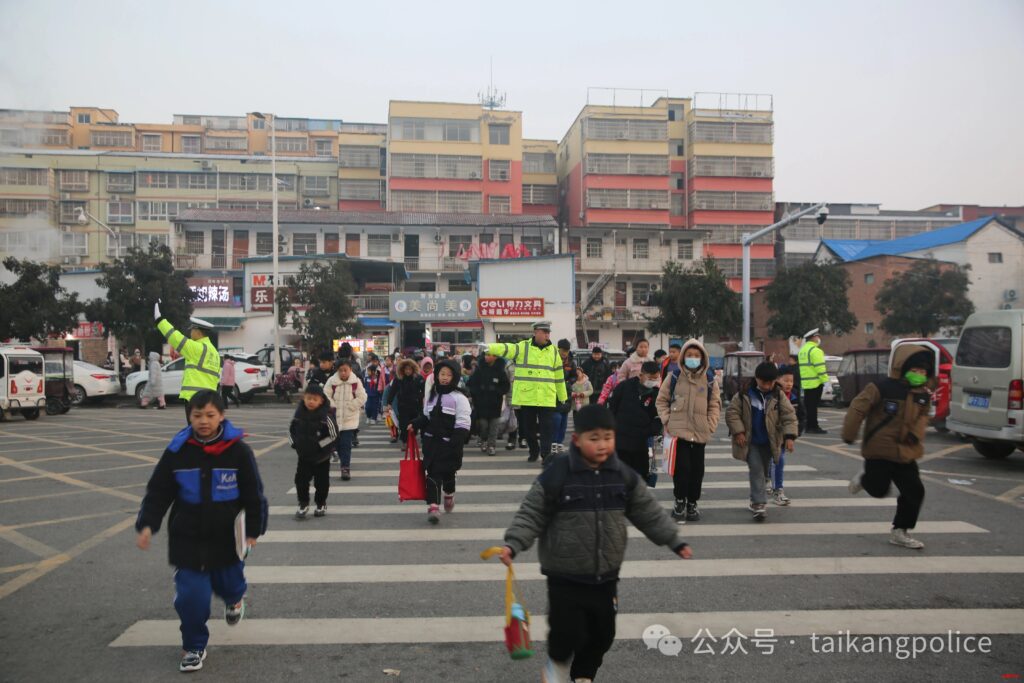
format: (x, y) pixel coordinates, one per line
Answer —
(511, 307)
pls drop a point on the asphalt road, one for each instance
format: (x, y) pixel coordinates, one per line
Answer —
(372, 587)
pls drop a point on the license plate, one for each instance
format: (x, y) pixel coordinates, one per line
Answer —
(976, 401)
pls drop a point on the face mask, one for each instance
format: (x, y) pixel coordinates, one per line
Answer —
(916, 379)
(650, 383)
(692, 363)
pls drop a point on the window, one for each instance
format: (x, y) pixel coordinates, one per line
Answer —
(595, 246)
(74, 181)
(152, 142)
(358, 156)
(675, 112)
(459, 202)
(53, 136)
(461, 131)
(684, 250)
(303, 243)
(498, 134)
(627, 164)
(22, 207)
(459, 286)
(74, 244)
(23, 176)
(121, 213)
(120, 182)
(540, 194)
(641, 294)
(264, 243)
(457, 243)
(498, 169)
(869, 278)
(714, 131)
(869, 328)
(627, 199)
(69, 211)
(258, 124)
(535, 243)
(227, 144)
(85, 118)
(111, 138)
(598, 295)
(194, 242)
(625, 129)
(436, 166)
(191, 144)
(366, 190)
(677, 204)
(985, 347)
(290, 144)
(641, 248)
(324, 148)
(539, 162)
(995, 257)
(318, 185)
(498, 204)
(676, 147)
(378, 245)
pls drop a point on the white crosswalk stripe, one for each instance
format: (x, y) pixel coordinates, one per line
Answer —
(341, 488)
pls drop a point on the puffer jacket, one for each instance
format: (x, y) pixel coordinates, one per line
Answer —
(636, 418)
(312, 434)
(894, 414)
(580, 514)
(445, 424)
(347, 398)
(155, 385)
(693, 411)
(488, 385)
(779, 419)
(631, 366)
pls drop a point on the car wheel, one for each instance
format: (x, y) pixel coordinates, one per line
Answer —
(32, 414)
(78, 395)
(994, 451)
(247, 397)
(139, 391)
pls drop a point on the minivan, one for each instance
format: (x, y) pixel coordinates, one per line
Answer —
(987, 397)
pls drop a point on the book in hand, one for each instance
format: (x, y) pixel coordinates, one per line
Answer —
(241, 547)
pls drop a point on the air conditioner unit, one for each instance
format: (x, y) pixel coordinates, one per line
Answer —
(307, 203)
(206, 166)
(438, 238)
(282, 244)
(1006, 307)
(115, 197)
(65, 196)
(396, 237)
(1010, 295)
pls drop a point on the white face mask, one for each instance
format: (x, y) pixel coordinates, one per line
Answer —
(651, 383)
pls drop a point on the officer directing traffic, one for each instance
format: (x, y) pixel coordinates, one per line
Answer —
(202, 361)
(813, 377)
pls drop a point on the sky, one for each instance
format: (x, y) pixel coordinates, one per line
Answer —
(904, 103)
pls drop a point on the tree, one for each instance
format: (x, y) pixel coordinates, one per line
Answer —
(36, 306)
(323, 290)
(924, 299)
(695, 301)
(809, 296)
(133, 284)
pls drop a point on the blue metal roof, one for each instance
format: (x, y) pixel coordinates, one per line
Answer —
(858, 250)
(369, 321)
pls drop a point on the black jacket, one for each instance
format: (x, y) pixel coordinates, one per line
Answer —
(597, 371)
(312, 434)
(317, 375)
(205, 486)
(636, 416)
(408, 391)
(488, 385)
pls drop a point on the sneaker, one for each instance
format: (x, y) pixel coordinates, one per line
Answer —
(394, 439)
(855, 486)
(302, 512)
(234, 613)
(692, 512)
(679, 510)
(780, 497)
(334, 457)
(768, 486)
(554, 672)
(815, 430)
(346, 474)
(449, 502)
(510, 446)
(523, 444)
(192, 661)
(320, 511)
(759, 510)
(433, 514)
(902, 538)
(532, 458)
(490, 450)
(355, 443)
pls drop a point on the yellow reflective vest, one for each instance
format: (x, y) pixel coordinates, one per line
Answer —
(813, 372)
(539, 380)
(202, 362)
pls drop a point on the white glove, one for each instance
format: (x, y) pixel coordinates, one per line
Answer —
(484, 347)
(156, 311)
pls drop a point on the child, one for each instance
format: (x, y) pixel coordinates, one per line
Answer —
(313, 434)
(582, 389)
(323, 371)
(787, 380)
(761, 422)
(207, 475)
(374, 391)
(405, 395)
(895, 413)
(154, 390)
(227, 382)
(488, 385)
(444, 423)
(689, 406)
(578, 507)
(631, 366)
(609, 384)
(347, 397)
(636, 417)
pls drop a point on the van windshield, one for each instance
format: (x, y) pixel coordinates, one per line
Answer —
(985, 347)
(18, 364)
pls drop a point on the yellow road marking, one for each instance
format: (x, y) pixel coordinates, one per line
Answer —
(1012, 495)
(25, 543)
(17, 567)
(92, 471)
(70, 481)
(55, 442)
(67, 493)
(62, 520)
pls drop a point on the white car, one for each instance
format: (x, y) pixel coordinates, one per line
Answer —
(249, 379)
(831, 388)
(92, 381)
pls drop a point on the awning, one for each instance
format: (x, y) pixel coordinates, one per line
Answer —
(225, 323)
(367, 321)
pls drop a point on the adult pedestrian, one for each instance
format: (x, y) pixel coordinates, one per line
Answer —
(539, 384)
(813, 376)
(228, 390)
(562, 410)
(488, 385)
(597, 369)
(202, 361)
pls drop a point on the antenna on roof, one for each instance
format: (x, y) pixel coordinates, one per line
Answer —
(491, 98)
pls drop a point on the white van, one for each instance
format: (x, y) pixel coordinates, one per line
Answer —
(21, 381)
(987, 398)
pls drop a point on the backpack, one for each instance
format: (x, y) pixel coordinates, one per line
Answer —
(672, 388)
(555, 475)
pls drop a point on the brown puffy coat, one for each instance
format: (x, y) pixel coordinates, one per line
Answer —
(900, 439)
(779, 419)
(692, 415)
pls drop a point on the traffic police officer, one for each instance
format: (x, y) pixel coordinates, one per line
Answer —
(813, 376)
(202, 361)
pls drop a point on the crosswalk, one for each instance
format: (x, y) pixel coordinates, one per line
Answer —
(403, 582)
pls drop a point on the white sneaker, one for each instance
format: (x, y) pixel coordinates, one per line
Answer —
(900, 537)
(555, 672)
(855, 486)
(780, 497)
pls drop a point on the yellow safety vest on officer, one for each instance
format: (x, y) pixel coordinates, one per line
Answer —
(539, 380)
(202, 361)
(811, 358)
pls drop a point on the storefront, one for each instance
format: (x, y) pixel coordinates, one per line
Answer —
(427, 319)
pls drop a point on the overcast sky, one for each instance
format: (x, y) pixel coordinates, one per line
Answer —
(904, 103)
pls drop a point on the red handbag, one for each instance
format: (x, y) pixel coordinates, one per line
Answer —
(412, 480)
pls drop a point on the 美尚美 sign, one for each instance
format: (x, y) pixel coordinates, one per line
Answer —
(432, 306)
(511, 307)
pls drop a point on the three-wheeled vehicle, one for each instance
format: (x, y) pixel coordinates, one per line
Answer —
(738, 369)
(942, 390)
(59, 378)
(21, 381)
(858, 369)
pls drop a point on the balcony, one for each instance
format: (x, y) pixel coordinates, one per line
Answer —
(622, 263)
(620, 313)
(369, 303)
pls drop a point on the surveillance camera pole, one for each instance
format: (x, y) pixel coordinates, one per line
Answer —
(275, 238)
(748, 239)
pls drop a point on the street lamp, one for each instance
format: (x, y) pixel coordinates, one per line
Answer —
(274, 235)
(748, 238)
(82, 217)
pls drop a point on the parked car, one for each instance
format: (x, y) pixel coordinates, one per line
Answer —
(288, 355)
(941, 393)
(249, 379)
(987, 385)
(93, 382)
(58, 370)
(738, 369)
(859, 368)
(21, 382)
